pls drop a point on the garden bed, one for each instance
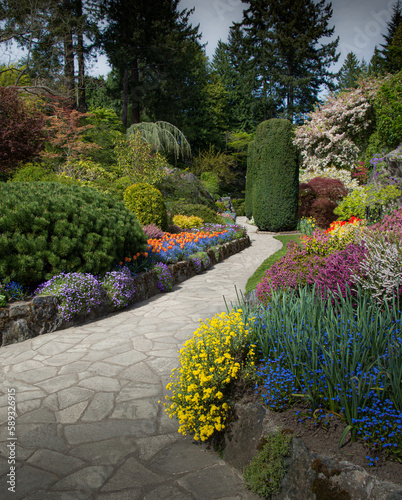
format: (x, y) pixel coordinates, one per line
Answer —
(316, 467)
(20, 321)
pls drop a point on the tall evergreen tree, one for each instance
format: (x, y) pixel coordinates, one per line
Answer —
(52, 35)
(284, 40)
(388, 61)
(239, 76)
(142, 40)
(352, 69)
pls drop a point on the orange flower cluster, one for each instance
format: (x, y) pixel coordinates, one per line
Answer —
(339, 223)
(169, 241)
(134, 257)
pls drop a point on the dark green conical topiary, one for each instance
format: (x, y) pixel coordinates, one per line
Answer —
(275, 177)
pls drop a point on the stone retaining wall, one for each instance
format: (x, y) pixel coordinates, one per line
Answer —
(310, 475)
(24, 320)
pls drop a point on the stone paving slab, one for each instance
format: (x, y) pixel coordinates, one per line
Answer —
(89, 424)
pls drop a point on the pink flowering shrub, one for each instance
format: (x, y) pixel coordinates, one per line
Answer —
(339, 130)
(299, 267)
(153, 232)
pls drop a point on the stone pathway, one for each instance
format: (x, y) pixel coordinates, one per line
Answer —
(89, 425)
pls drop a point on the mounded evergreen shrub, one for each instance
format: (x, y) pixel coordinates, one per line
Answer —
(48, 228)
(147, 203)
(274, 173)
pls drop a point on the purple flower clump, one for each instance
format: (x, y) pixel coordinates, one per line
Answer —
(78, 293)
(163, 277)
(119, 287)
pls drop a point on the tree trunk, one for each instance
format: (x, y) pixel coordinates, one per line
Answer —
(82, 106)
(135, 110)
(69, 52)
(125, 98)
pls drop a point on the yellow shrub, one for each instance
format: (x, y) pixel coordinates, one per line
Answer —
(187, 221)
(209, 361)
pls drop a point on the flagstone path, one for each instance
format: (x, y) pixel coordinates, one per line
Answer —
(89, 425)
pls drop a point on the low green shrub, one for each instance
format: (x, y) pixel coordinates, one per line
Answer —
(48, 228)
(266, 470)
(147, 204)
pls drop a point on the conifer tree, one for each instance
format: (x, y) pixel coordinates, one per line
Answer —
(284, 41)
(352, 69)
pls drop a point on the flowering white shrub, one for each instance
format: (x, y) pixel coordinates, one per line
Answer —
(335, 130)
(330, 173)
(381, 271)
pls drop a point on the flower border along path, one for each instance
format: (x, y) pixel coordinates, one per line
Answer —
(24, 320)
(89, 425)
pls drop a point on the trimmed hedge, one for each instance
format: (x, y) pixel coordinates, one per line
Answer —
(273, 177)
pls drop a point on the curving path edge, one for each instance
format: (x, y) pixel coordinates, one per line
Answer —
(88, 423)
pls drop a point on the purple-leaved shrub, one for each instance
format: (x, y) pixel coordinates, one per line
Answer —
(78, 293)
(119, 287)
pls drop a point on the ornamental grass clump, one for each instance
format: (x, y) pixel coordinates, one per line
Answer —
(119, 287)
(78, 293)
(214, 357)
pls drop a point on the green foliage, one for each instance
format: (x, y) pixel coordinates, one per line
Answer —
(266, 470)
(216, 162)
(388, 109)
(178, 185)
(239, 206)
(275, 177)
(48, 228)
(105, 131)
(164, 137)
(260, 271)
(251, 170)
(33, 172)
(205, 213)
(137, 160)
(147, 203)
(366, 196)
(210, 181)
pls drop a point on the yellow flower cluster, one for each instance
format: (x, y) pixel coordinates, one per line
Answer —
(187, 222)
(219, 349)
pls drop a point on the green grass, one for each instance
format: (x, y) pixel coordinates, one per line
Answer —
(259, 273)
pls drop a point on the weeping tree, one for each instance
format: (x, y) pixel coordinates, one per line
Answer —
(164, 137)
